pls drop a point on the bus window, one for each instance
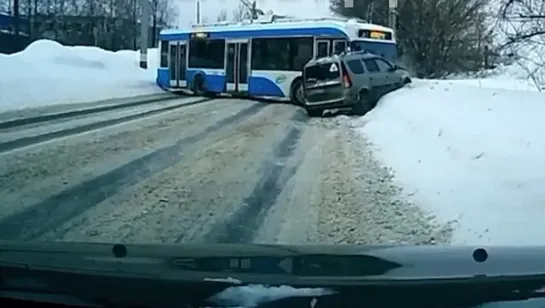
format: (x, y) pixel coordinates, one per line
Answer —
(301, 52)
(322, 49)
(357, 46)
(281, 54)
(164, 54)
(386, 50)
(205, 53)
(339, 47)
(270, 54)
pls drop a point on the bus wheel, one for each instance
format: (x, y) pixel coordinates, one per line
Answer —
(198, 85)
(296, 93)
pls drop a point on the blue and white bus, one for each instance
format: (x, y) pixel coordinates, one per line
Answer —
(261, 58)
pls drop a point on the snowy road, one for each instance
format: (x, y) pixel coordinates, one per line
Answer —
(221, 171)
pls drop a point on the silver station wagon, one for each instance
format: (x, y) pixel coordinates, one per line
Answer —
(352, 80)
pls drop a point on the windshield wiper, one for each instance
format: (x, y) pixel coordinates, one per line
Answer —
(166, 275)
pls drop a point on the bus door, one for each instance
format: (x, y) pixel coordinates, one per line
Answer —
(177, 63)
(237, 65)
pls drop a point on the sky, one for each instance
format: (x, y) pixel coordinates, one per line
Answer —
(210, 9)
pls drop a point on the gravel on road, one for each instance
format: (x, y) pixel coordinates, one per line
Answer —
(224, 171)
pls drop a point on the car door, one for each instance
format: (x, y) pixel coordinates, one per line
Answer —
(392, 81)
(376, 78)
(359, 76)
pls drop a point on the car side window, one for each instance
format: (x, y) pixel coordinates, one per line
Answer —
(356, 66)
(383, 65)
(371, 65)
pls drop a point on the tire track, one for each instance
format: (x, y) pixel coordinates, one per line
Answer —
(241, 225)
(31, 140)
(40, 118)
(30, 175)
(47, 214)
(294, 217)
(187, 199)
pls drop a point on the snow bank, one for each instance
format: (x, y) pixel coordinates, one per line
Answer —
(502, 81)
(48, 73)
(509, 77)
(472, 154)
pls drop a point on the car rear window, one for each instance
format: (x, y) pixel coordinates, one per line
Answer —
(356, 66)
(322, 72)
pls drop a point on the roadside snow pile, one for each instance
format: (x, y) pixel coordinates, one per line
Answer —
(504, 77)
(467, 153)
(529, 64)
(520, 75)
(48, 73)
(520, 62)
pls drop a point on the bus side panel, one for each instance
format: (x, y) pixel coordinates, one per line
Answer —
(163, 78)
(271, 83)
(214, 78)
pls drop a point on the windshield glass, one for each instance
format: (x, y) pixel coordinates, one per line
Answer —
(386, 50)
(183, 122)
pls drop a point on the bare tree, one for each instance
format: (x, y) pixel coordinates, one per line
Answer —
(109, 24)
(435, 37)
(522, 28)
(5, 6)
(242, 12)
(222, 16)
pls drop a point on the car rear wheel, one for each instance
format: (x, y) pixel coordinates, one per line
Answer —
(364, 104)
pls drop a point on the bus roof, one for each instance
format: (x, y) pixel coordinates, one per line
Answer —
(280, 27)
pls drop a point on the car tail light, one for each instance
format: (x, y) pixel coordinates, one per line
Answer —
(346, 78)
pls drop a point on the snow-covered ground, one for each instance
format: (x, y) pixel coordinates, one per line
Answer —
(512, 77)
(468, 151)
(48, 73)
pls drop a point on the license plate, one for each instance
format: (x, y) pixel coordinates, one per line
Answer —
(319, 91)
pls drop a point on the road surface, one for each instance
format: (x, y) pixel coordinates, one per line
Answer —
(221, 171)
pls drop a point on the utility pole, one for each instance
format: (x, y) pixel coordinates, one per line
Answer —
(16, 17)
(144, 32)
(392, 10)
(198, 12)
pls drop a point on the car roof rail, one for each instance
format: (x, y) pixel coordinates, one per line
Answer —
(355, 52)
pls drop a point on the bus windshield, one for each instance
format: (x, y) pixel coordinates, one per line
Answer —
(386, 50)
